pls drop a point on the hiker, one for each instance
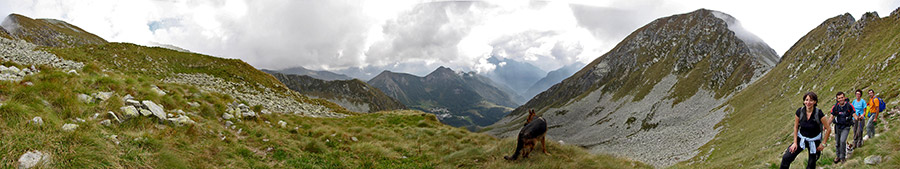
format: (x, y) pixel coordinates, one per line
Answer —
(860, 107)
(872, 113)
(842, 114)
(809, 124)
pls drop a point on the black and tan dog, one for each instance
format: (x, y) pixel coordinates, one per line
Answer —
(534, 131)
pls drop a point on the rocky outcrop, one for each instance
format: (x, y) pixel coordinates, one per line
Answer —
(23, 53)
(259, 95)
(15, 74)
(240, 110)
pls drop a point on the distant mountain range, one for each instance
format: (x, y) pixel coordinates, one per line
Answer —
(519, 76)
(318, 74)
(459, 99)
(553, 77)
(354, 95)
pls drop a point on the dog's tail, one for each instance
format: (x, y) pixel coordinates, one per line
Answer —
(520, 144)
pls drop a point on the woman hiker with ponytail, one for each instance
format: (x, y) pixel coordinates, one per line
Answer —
(809, 125)
(859, 105)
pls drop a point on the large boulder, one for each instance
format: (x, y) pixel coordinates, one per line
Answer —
(69, 127)
(193, 104)
(156, 109)
(227, 116)
(38, 121)
(241, 110)
(33, 158)
(106, 122)
(103, 96)
(85, 98)
(157, 90)
(145, 112)
(182, 120)
(129, 112)
(873, 159)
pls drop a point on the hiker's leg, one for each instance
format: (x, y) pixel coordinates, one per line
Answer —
(789, 157)
(870, 127)
(842, 142)
(857, 135)
(811, 162)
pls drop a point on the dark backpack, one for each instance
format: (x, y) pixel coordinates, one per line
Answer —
(846, 119)
(881, 105)
(816, 117)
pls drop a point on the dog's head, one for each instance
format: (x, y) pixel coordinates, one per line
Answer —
(530, 116)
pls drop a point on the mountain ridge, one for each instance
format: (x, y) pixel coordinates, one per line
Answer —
(355, 95)
(48, 32)
(318, 74)
(647, 88)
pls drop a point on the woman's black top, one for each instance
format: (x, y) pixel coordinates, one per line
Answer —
(808, 126)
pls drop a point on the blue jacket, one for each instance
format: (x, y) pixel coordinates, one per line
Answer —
(859, 106)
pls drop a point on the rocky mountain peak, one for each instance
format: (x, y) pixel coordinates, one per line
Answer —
(896, 13)
(865, 20)
(442, 73)
(48, 32)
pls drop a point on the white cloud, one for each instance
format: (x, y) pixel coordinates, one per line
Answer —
(412, 35)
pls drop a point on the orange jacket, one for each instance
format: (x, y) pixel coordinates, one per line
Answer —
(872, 106)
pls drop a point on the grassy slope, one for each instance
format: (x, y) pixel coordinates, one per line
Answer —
(158, 63)
(758, 129)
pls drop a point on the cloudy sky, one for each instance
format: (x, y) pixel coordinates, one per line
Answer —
(412, 35)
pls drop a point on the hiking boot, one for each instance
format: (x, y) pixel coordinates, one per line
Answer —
(837, 160)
